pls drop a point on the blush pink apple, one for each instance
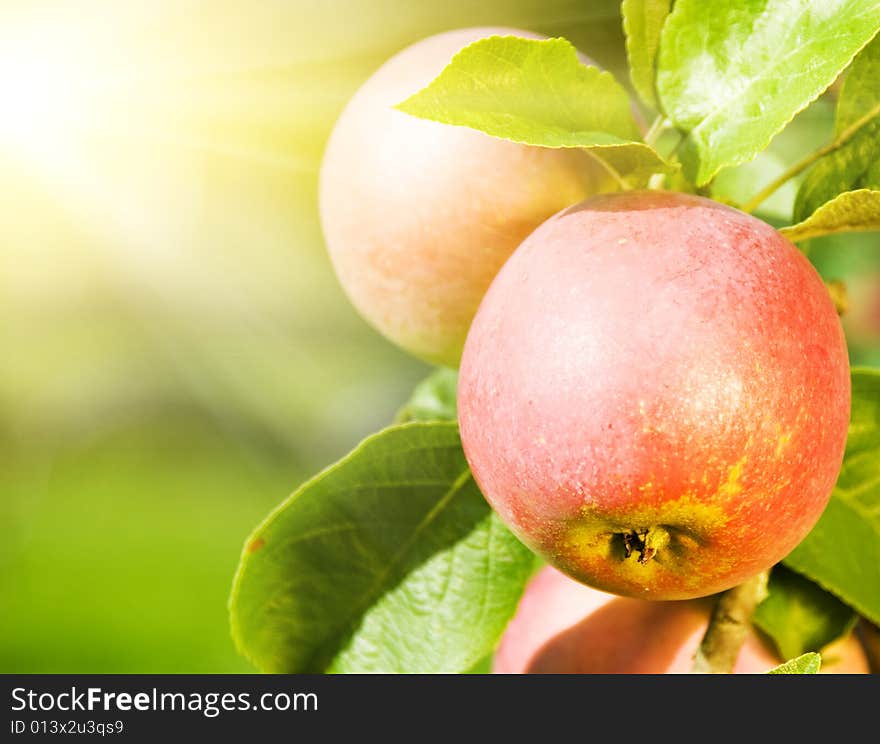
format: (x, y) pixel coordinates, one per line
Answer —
(419, 216)
(563, 627)
(655, 394)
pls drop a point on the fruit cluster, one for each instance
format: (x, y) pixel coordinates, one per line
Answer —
(654, 387)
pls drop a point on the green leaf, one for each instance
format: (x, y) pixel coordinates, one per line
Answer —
(388, 561)
(800, 616)
(483, 666)
(806, 664)
(530, 91)
(642, 23)
(538, 93)
(855, 164)
(851, 211)
(732, 77)
(842, 552)
(434, 399)
(635, 162)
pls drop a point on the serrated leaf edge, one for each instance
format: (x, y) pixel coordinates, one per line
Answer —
(701, 178)
(664, 166)
(235, 630)
(811, 657)
(797, 233)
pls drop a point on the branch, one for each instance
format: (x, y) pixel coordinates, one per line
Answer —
(728, 627)
(845, 136)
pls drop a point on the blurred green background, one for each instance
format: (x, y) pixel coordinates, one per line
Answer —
(176, 353)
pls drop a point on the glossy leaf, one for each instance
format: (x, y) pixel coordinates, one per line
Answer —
(732, 77)
(537, 93)
(388, 561)
(642, 24)
(851, 211)
(856, 164)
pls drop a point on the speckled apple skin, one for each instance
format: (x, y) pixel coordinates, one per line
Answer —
(419, 216)
(563, 627)
(653, 359)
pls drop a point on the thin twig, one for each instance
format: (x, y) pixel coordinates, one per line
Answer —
(656, 129)
(729, 626)
(845, 136)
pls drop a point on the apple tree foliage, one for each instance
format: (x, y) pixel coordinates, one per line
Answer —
(390, 560)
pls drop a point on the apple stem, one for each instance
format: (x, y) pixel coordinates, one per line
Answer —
(656, 129)
(729, 626)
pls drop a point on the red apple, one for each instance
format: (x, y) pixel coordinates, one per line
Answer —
(655, 394)
(419, 216)
(563, 627)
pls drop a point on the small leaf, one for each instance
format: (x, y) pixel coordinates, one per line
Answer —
(855, 164)
(388, 561)
(800, 616)
(733, 77)
(842, 552)
(851, 211)
(434, 399)
(642, 24)
(538, 93)
(806, 664)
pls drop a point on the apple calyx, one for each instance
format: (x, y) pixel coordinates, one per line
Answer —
(645, 542)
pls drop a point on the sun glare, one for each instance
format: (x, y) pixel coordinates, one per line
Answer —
(40, 97)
